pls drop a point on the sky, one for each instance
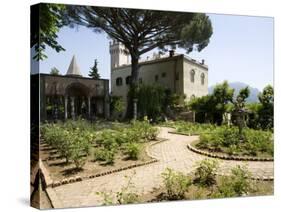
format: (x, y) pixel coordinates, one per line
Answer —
(240, 49)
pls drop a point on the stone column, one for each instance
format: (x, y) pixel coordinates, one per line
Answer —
(72, 107)
(89, 106)
(65, 106)
(135, 101)
(106, 108)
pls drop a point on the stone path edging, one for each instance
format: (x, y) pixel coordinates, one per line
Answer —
(226, 157)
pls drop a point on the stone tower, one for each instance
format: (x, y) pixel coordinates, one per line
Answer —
(118, 54)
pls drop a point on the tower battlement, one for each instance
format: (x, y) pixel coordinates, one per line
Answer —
(118, 54)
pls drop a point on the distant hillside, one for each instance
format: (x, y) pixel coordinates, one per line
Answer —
(237, 86)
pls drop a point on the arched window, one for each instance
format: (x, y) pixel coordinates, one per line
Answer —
(192, 97)
(128, 80)
(119, 81)
(192, 75)
(202, 79)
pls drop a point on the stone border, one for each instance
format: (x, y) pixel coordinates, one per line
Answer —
(181, 133)
(51, 183)
(226, 157)
(263, 178)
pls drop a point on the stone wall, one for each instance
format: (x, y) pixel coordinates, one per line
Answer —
(195, 88)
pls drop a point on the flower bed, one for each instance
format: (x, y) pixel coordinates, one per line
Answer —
(227, 140)
(79, 148)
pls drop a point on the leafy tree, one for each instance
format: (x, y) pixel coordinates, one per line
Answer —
(222, 95)
(239, 108)
(213, 106)
(266, 98)
(150, 100)
(253, 116)
(94, 71)
(204, 107)
(144, 30)
(54, 71)
(46, 20)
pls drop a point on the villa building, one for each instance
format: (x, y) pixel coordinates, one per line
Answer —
(177, 72)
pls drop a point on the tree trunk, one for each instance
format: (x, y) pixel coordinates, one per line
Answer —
(133, 86)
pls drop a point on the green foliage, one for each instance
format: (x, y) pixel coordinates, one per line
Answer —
(132, 150)
(239, 112)
(117, 105)
(54, 71)
(144, 130)
(106, 155)
(94, 71)
(227, 139)
(176, 184)
(124, 196)
(44, 32)
(150, 100)
(266, 98)
(212, 107)
(72, 145)
(80, 148)
(205, 173)
(193, 128)
(237, 184)
(73, 140)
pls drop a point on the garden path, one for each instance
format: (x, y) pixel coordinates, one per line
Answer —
(172, 153)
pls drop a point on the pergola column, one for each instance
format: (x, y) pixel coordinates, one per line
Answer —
(89, 106)
(72, 107)
(65, 106)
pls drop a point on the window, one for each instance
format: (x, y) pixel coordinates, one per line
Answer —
(140, 80)
(119, 81)
(192, 75)
(192, 97)
(128, 80)
(164, 74)
(156, 78)
(202, 79)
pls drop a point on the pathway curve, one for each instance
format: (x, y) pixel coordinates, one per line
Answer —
(172, 153)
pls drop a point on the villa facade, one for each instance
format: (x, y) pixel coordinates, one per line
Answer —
(177, 72)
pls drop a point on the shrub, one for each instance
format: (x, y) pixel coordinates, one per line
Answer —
(107, 139)
(106, 155)
(205, 173)
(176, 184)
(124, 196)
(194, 128)
(237, 184)
(227, 139)
(150, 100)
(80, 149)
(144, 130)
(132, 150)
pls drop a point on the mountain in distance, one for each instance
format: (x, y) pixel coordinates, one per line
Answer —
(254, 92)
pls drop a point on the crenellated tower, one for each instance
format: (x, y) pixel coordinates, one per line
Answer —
(118, 54)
